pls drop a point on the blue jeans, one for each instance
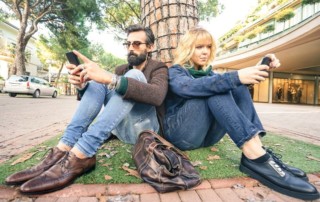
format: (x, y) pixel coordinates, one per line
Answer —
(91, 126)
(203, 122)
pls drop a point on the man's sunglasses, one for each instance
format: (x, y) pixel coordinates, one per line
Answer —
(135, 44)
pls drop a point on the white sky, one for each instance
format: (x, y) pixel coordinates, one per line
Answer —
(234, 11)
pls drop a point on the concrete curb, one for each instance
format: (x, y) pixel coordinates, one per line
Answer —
(107, 190)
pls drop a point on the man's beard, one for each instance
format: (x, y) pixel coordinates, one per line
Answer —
(135, 59)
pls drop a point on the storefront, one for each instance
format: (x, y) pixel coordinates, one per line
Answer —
(288, 88)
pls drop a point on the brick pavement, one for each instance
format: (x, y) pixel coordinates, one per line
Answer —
(215, 190)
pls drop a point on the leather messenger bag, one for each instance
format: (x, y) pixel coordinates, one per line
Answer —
(162, 165)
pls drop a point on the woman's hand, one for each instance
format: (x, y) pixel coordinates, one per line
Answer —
(275, 62)
(253, 75)
(87, 71)
(258, 73)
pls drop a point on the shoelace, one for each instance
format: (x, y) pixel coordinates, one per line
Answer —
(62, 162)
(276, 157)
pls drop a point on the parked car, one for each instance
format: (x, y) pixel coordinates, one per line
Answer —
(1, 85)
(29, 85)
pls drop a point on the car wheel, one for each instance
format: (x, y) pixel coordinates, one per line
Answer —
(36, 94)
(54, 94)
(12, 94)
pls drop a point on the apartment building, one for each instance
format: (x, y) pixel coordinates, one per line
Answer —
(289, 29)
(8, 34)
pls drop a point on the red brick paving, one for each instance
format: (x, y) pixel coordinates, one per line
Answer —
(217, 190)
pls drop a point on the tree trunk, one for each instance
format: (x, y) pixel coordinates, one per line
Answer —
(19, 67)
(168, 19)
(58, 76)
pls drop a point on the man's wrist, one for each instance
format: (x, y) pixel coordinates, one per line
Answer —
(114, 81)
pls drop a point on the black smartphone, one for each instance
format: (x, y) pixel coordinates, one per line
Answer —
(73, 58)
(266, 61)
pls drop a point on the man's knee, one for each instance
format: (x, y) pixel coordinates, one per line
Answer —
(136, 74)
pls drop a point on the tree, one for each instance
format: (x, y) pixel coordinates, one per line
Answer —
(51, 13)
(119, 14)
(170, 19)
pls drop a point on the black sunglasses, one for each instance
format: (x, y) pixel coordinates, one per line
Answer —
(135, 44)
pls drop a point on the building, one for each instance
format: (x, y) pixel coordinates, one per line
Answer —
(8, 34)
(291, 30)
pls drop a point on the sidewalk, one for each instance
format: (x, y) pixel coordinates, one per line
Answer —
(300, 122)
(233, 190)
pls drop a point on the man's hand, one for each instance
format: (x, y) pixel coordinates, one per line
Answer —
(89, 70)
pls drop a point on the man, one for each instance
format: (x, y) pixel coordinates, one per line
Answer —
(129, 98)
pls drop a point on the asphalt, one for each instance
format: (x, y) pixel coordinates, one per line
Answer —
(295, 121)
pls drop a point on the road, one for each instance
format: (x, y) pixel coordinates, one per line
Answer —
(26, 121)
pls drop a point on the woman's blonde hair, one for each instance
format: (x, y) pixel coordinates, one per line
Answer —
(187, 45)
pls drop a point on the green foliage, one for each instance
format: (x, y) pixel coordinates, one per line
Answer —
(106, 61)
(209, 8)
(284, 15)
(238, 38)
(268, 28)
(306, 2)
(231, 32)
(120, 14)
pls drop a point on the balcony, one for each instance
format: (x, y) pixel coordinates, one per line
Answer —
(296, 43)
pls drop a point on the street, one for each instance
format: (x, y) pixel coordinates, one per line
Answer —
(26, 121)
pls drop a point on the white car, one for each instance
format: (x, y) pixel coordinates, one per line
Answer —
(29, 85)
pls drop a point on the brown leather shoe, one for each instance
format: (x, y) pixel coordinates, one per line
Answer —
(18, 178)
(60, 175)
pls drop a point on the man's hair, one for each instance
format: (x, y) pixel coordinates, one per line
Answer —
(147, 30)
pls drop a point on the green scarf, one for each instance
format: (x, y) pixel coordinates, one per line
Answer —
(199, 73)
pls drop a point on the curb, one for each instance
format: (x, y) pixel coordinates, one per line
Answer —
(102, 190)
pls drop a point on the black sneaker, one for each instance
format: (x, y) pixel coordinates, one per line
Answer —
(275, 177)
(295, 171)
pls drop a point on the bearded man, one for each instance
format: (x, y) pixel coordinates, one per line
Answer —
(132, 100)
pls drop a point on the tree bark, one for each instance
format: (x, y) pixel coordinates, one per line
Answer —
(168, 19)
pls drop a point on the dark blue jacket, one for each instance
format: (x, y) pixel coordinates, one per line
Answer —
(183, 86)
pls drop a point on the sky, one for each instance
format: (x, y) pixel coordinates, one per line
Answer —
(234, 11)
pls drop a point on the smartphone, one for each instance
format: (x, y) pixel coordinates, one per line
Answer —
(266, 61)
(73, 58)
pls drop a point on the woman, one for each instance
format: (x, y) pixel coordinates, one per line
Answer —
(202, 106)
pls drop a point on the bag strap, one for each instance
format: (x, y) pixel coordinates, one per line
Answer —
(165, 142)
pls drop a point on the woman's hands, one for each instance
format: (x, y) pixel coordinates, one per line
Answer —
(258, 73)
(89, 70)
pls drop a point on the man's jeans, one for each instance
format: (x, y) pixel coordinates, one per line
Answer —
(124, 118)
(203, 122)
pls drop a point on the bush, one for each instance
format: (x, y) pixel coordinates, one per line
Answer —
(284, 15)
(306, 2)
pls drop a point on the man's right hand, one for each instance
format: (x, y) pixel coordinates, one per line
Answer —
(74, 76)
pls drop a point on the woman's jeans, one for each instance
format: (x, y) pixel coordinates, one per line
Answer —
(203, 122)
(91, 126)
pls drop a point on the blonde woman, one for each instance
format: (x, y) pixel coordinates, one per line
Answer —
(201, 107)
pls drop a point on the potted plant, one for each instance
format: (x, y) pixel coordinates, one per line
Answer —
(284, 15)
(268, 28)
(306, 2)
